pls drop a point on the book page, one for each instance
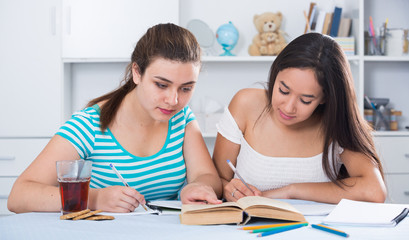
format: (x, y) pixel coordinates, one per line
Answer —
(250, 201)
(138, 211)
(173, 204)
(209, 207)
(167, 206)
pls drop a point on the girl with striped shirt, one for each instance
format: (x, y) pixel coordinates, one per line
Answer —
(144, 128)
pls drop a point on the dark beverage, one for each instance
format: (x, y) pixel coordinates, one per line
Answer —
(74, 194)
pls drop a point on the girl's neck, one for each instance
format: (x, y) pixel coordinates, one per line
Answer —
(131, 112)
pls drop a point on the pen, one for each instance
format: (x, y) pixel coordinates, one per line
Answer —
(330, 230)
(123, 181)
(238, 175)
(372, 29)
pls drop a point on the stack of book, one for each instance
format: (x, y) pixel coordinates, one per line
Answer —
(332, 24)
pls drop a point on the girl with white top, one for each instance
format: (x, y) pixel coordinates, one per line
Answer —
(303, 137)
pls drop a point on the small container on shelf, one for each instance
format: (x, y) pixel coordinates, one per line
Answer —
(368, 115)
(394, 126)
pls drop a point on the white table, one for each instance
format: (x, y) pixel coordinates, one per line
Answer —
(49, 226)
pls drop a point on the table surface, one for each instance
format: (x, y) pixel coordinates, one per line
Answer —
(49, 226)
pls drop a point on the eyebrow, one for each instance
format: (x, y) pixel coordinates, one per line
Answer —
(168, 81)
(304, 95)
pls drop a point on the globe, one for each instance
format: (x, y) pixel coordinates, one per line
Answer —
(227, 36)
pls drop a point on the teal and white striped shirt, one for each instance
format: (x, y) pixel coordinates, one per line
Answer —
(159, 176)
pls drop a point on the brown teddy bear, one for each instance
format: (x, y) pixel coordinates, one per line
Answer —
(270, 39)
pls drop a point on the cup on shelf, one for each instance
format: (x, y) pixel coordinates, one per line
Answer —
(374, 45)
(382, 119)
(397, 41)
(74, 178)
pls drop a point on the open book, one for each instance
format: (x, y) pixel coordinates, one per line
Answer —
(239, 212)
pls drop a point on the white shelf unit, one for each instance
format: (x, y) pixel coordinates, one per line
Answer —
(221, 77)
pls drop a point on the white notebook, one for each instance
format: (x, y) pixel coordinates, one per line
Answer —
(357, 213)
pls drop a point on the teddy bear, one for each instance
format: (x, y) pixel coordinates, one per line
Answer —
(268, 43)
(270, 38)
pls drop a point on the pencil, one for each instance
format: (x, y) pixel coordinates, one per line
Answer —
(330, 230)
(123, 180)
(283, 229)
(270, 225)
(238, 175)
(277, 228)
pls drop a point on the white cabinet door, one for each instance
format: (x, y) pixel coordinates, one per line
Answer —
(398, 188)
(111, 28)
(30, 68)
(394, 153)
(17, 154)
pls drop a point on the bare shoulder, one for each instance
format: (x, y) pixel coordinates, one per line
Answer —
(248, 99)
(247, 104)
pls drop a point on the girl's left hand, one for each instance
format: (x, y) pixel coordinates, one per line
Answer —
(196, 193)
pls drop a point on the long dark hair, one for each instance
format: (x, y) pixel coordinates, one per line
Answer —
(167, 41)
(342, 122)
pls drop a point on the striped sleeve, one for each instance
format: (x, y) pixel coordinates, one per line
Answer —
(190, 116)
(80, 132)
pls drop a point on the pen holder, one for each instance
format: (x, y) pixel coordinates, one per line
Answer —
(375, 45)
(381, 119)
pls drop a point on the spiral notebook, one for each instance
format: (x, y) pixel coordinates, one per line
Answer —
(357, 213)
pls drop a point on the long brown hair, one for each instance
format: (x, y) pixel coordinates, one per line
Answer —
(340, 115)
(167, 41)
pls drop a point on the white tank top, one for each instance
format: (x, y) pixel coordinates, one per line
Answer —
(265, 172)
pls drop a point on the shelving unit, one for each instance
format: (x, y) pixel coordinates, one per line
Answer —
(221, 77)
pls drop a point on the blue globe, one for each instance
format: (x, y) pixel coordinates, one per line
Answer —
(227, 36)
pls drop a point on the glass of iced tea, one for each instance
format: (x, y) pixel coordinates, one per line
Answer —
(74, 177)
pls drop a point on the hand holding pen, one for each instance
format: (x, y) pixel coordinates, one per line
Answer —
(241, 179)
(124, 182)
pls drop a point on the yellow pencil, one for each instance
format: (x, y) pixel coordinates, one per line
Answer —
(270, 225)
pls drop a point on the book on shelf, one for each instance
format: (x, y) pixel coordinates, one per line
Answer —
(345, 27)
(310, 12)
(347, 44)
(239, 212)
(313, 17)
(327, 23)
(336, 18)
(319, 25)
(366, 214)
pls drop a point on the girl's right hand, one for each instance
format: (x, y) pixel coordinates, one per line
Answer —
(115, 199)
(236, 189)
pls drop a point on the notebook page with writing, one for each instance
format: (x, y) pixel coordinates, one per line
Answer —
(357, 213)
(138, 211)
